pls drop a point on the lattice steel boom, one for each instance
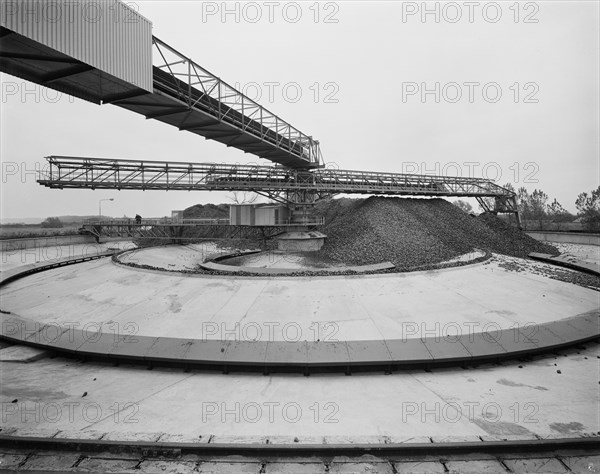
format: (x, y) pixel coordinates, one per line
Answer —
(94, 173)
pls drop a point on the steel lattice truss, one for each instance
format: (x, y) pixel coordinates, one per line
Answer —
(184, 95)
(207, 105)
(188, 229)
(94, 173)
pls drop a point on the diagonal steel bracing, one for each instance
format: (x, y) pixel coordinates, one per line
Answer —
(95, 173)
(183, 94)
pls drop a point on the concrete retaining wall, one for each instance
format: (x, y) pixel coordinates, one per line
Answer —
(10, 245)
(566, 237)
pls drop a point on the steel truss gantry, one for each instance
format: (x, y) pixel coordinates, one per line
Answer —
(184, 95)
(188, 96)
(187, 229)
(293, 187)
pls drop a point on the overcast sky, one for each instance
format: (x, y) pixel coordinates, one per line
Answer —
(361, 68)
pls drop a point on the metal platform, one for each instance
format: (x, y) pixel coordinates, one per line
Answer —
(97, 173)
(291, 187)
(169, 230)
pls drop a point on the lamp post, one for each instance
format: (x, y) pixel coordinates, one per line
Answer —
(100, 207)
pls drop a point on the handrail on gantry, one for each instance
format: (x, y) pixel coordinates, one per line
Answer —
(178, 75)
(97, 173)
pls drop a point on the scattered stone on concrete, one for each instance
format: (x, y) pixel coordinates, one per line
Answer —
(419, 467)
(547, 270)
(49, 463)
(361, 465)
(131, 436)
(162, 466)
(11, 461)
(283, 439)
(536, 465)
(355, 439)
(107, 465)
(234, 467)
(35, 432)
(82, 434)
(476, 467)
(184, 438)
(583, 463)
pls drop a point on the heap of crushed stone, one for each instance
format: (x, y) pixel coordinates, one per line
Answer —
(415, 232)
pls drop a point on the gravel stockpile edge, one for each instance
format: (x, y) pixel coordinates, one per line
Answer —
(415, 232)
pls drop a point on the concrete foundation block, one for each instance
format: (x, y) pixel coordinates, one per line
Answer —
(22, 354)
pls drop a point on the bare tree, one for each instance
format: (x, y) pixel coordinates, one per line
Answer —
(538, 204)
(243, 197)
(559, 214)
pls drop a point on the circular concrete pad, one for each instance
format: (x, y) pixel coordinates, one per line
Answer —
(476, 298)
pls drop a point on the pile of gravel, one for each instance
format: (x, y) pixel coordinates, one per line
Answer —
(414, 232)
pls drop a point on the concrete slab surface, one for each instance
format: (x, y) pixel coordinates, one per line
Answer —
(306, 356)
(419, 467)
(12, 461)
(328, 353)
(23, 354)
(108, 466)
(540, 465)
(72, 461)
(368, 351)
(118, 299)
(520, 399)
(230, 468)
(279, 352)
(481, 344)
(240, 352)
(175, 257)
(51, 463)
(583, 463)
(526, 399)
(408, 349)
(207, 349)
(296, 468)
(166, 467)
(17, 257)
(476, 467)
(446, 349)
(344, 465)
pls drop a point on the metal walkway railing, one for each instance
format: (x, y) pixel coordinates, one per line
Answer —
(95, 173)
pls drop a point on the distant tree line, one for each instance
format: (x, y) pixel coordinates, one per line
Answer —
(535, 207)
(52, 223)
(588, 208)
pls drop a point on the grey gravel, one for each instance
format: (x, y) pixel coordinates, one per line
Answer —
(415, 232)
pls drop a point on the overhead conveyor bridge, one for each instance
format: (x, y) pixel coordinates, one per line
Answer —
(279, 183)
(122, 63)
(116, 60)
